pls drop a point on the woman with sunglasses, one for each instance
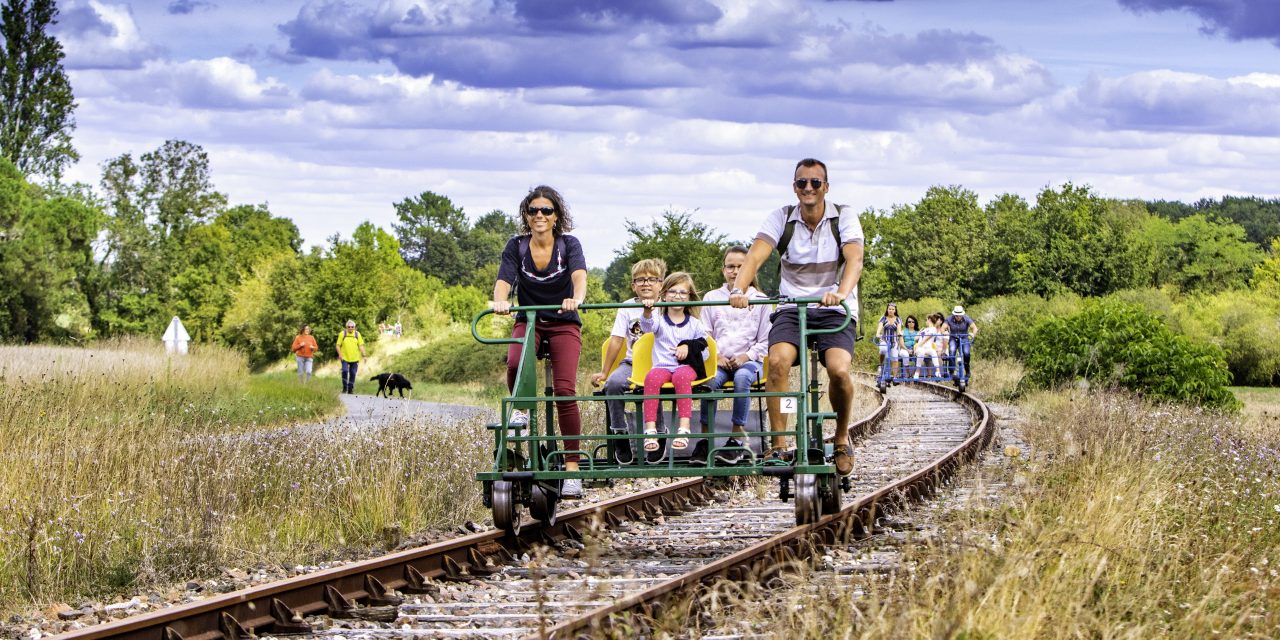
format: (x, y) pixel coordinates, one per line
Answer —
(547, 267)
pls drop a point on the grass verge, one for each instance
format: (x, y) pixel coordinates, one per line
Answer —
(1132, 521)
(123, 467)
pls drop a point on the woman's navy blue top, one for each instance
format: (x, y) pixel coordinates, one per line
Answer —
(543, 286)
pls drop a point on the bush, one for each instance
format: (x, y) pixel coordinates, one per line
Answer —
(454, 357)
(1246, 324)
(1005, 322)
(1117, 343)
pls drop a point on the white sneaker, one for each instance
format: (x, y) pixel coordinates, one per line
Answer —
(518, 424)
(571, 489)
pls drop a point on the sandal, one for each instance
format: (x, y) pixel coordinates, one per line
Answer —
(651, 444)
(681, 443)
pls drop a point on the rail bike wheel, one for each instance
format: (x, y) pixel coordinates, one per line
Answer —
(830, 493)
(543, 503)
(506, 507)
(808, 504)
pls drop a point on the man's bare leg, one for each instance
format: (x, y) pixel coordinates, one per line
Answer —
(782, 356)
(841, 390)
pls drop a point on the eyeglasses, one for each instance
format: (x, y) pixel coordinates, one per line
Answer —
(545, 211)
(351, 326)
(646, 280)
(813, 183)
(678, 292)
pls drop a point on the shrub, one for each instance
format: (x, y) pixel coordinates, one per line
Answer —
(454, 357)
(1246, 324)
(461, 303)
(1117, 343)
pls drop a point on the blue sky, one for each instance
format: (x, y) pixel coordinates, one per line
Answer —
(331, 110)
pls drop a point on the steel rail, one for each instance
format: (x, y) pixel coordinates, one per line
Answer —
(280, 607)
(852, 522)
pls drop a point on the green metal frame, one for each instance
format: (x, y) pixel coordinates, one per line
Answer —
(514, 457)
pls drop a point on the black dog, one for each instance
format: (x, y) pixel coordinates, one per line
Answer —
(388, 382)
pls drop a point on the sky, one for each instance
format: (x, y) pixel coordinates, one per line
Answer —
(331, 111)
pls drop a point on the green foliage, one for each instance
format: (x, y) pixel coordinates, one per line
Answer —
(461, 303)
(436, 239)
(1266, 276)
(454, 357)
(1115, 343)
(936, 247)
(1260, 218)
(36, 101)
(362, 279)
(266, 309)
(685, 245)
(46, 259)
(1209, 256)
(1245, 324)
(1005, 322)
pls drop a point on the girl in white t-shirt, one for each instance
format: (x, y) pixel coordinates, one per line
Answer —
(930, 343)
(674, 330)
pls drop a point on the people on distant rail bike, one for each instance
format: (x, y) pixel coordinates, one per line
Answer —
(928, 342)
(350, 348)
(646, 279)
(742, 344)
(821, 250)
(679, 344)
(964, 329)
(889, 337)
(546, 266)
(304, 350)
(910, 329)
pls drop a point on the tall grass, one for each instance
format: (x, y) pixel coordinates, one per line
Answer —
(1133, 521)
(122, 467)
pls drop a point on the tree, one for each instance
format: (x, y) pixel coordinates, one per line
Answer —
(937, 247)
(154, 205)
(364, 279)
(37, 103)
(45, 261)
(685, 245)
(1212, 256)
(430, 231)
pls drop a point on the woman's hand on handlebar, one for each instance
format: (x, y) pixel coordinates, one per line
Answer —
(502, 307)
(569, 304)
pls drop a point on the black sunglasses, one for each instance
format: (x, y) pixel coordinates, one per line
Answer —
(814, 183)
(546, 211)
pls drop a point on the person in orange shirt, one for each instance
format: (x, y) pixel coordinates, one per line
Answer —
(304, 347)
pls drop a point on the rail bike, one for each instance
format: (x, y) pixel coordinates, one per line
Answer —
(947, 368)
(528, 464)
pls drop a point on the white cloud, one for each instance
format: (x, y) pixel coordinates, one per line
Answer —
(98, 35)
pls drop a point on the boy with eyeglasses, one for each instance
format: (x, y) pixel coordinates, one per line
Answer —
(646, 280)
(821, 257)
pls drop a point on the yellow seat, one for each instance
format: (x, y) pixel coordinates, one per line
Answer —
(642, 362)
(608, 367)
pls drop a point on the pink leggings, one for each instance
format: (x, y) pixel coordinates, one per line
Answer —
(682, 379)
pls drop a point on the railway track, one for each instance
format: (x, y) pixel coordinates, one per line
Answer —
(629, 554)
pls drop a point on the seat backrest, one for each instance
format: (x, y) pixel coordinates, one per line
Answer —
(608, 367)
(642, 360)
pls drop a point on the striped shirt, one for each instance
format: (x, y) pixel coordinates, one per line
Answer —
(812, 264)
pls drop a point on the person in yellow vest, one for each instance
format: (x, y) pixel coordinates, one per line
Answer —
(350, 350)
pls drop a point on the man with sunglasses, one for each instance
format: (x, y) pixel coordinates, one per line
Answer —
(821, 249)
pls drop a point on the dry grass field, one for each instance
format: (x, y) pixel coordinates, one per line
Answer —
(1129, 521)
(122, 467)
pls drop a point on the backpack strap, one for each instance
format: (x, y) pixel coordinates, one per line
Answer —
(790, 230)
